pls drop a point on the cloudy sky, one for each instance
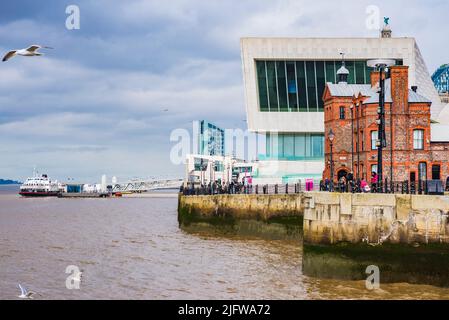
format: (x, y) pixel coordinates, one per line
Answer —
(95, 104)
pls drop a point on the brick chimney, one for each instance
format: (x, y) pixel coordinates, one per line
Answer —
(399, 87)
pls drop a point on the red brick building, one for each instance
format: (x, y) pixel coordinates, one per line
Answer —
(350, 110)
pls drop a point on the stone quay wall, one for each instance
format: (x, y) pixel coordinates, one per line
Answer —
(241, 206)
(331, 218)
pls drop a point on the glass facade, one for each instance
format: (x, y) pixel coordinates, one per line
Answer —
(440, 78)
(294, 146)
(210, 139)
(291, 86)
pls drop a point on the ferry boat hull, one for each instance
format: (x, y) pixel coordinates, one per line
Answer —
(39, 194)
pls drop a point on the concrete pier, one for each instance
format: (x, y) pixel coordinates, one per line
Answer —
(242, 206)
(262, 216)
(331, 218)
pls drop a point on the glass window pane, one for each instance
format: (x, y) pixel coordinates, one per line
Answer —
(360, 72)
(291, 86)
(280, 151)
(350, 66)
(308, 141)
(268, 144)
(368, 74)
(282, 85)
(311, 87)
(262, 85)
(321, 83)
(317, 146)
(300, 145)
(272, 87)
(373, 139)
(289, 142)
(301, 85)
(422, 171)
(418, 139)
(342, 113)
(330, 71)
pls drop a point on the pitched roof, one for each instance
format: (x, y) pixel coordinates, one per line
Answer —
(350, 90)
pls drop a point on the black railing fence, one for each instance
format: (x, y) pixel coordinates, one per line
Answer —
(288, 188)
(386, 186)
(398, 187)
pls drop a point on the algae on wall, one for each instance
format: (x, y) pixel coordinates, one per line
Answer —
(243, 215)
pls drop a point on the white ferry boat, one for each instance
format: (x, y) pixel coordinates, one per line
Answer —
(39, 187)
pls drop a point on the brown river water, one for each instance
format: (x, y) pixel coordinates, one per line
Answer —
(133, 248)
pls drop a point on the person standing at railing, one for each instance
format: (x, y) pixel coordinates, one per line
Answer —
(342, 183)
(326, 184)
(374, 181)
(350, 181)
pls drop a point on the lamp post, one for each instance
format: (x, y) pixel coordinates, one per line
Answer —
(352, 137)
(382, 66)
(358, 142)
(331, 137)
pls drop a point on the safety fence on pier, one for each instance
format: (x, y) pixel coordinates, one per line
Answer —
(250, 189)
(397, 187)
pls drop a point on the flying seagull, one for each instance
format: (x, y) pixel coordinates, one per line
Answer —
(28, 52)
(25, 294)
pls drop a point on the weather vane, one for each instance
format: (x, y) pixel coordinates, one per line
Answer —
(386, 20)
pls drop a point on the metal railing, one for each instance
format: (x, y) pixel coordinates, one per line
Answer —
(396, 187)
(288, 188)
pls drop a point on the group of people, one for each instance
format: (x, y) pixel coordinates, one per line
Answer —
(217, 187)
(347, 183)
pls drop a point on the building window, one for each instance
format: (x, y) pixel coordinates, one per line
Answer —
(422, 171)
(418, 139)
(373, 140)
(436, 172)
(342, 113)
(374, 168)
(299, 85)
(218, 166)
(299, 146)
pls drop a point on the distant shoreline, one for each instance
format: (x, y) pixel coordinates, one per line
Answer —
(9, 182)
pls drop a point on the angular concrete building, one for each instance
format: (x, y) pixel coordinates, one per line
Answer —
(284, 81)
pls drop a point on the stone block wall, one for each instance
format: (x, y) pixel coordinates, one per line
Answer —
(241, 206)
(375, 218)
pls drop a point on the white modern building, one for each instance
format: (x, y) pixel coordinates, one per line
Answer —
(203, 169)
(284, 80)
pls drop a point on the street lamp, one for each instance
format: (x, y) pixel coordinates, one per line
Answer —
(358, 141)
(331, 137)
(381, 65)
(352, 137)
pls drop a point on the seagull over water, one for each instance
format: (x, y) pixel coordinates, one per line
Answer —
(28, 52)
(25, 294)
